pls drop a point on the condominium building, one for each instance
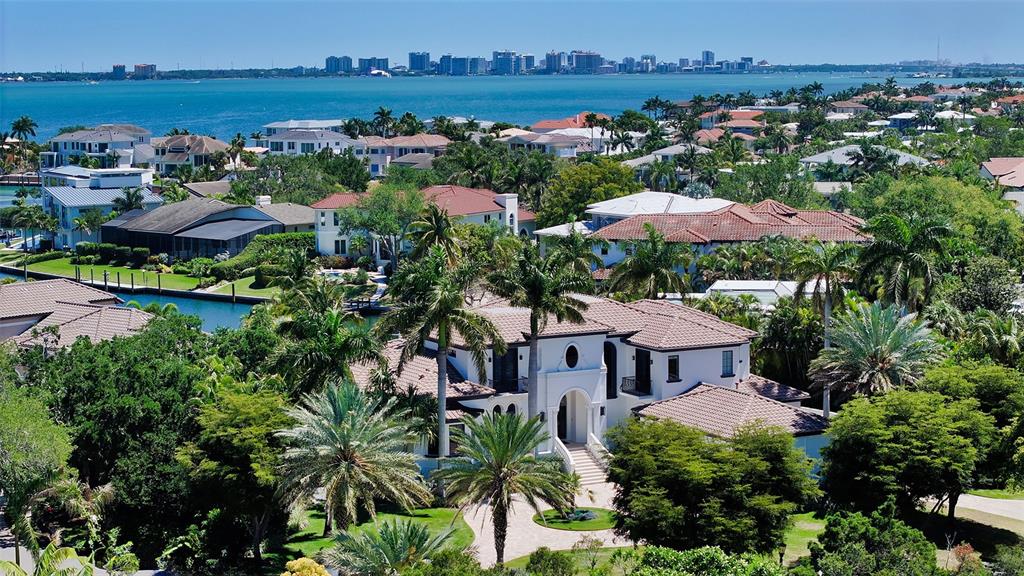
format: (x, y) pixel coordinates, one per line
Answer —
(367, 65)
(338, 65)
(506, 63)
(585, 62)
(419, 61)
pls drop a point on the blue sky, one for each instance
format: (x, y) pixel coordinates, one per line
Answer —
(93, 34)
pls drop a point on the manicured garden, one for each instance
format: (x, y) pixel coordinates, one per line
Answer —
(64, 267)
(580, 520)
(805, 529)
(244, 287)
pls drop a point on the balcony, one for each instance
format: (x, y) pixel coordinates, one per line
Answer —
(508, 385)
(636, 387)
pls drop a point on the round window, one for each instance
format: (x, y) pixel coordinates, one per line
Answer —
(572, 356)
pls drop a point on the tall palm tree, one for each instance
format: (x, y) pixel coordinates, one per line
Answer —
(395, 546)
(355, 448)
(547, 290)
(430, 303)
(333, 343)
(1002, 337)
(435, 228)
(876, 350)
(663, 175)
(54, 561)
(130, 199)
(575, 252)
(902, 251)
(824, 266)
(22, 128)
(383, 121)
(499, 464)
(651, 270)
(88, 222)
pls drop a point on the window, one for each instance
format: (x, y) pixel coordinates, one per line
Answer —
(487, 218)
(727, 363)
(341, 246)
(277, 146)
(307, 147)
(604, 250)
(337, 247)
(511, 409)
(673, 368)
(572, 356)
(291, 145)
(497, 409)
(337, 222)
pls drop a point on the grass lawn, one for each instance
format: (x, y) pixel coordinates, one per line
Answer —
(552, 519)
(243, 287)
(581, 560)
(309, 541)
(804, 530)
(983, 531)
(999, 494)
(64, 267)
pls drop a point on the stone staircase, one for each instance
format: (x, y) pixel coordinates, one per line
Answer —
(589, 470)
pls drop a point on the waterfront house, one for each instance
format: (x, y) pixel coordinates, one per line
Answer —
(68, 192)
(379, 152)
(112, 145)
(468, 205)
(844, 156)
(55, 313)
(557, 145)
(903, 120)
(849, 107)
(296, 142)
(706, 231)
(600, 138)
(291, 125)
(193, 150)
(576, 121)
(293, 217)
(192, 228)
(592, 375)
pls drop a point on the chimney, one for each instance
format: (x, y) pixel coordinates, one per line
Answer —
(510, 202)
(262, 201)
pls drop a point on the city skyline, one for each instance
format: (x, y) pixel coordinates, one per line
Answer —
(867, 33)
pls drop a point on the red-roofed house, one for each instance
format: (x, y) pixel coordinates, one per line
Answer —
(710, 119)
(577, 121)
(1010, 101)
(471, 205)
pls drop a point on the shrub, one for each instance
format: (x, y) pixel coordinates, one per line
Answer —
(181, 268)
(262, 248)
(86, 248)
(207, 282)
(106, 252)
(335, 262)
(140, 256)
(83, 260)
(546, 562)
(123, 254)
(199, 267)
(43, 257)
(264, 275)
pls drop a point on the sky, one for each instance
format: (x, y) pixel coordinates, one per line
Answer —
(91, 35)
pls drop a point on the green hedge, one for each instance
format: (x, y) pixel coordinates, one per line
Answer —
(259, 249)
(43, 257)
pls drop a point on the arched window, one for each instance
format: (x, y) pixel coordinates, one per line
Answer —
(511, 409)
(497, 409)
(572, 356)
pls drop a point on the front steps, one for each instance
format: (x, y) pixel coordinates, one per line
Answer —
(589, 470)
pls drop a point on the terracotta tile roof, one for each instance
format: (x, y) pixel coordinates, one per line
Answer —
(336, 201)
(462, 201)
(420, 373)
(722, 411)
(1015, 99)
(921, 99)
(192, 143)
(739, 123)
(849, 104)
(710, 135)
(762, 386)
(513, 324)
(739, 223)
(41, 297)
(668, 326)
(734, 114)
(1008, 171)
(525, 215)
(577, 121)
(87, 320)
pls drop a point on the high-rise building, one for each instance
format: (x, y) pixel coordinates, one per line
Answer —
(529, 62)
(684, 62)
(505, 63)
(367, 65)
(419, 61)
(707, 58)
(478, 65)
(345, 65)
(338, 65)
(628, 65)
(585, 62)
(460, 66)
(143, 71)
(444, 65)
(554, 62)
(118, 73)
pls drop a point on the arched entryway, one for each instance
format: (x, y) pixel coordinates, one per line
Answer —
(611, 379)
(573, 421)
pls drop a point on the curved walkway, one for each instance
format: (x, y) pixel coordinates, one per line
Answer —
(525, 536)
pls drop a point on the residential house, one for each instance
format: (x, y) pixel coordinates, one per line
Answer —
(212, 189)
(470, 205)
(113, 145)
(68, 192)
(193, 150)
(296, 142)
(591, 375)
(293, 217)
(55, 313)
(555, 144)
(849, 107)
(600, 138)
(713, 118)
(192, 228)
(903, 120)
(767, 292)
(956, 116)
(380, 152)
(415, 160)
(576, 121)
(1009, 174)
(844, 156)
(290, 125)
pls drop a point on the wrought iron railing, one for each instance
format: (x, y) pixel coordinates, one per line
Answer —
(636, 386)
(508, 385)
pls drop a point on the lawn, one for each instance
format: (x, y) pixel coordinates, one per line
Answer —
(552, 519)
(243, 287)
(64, 267)
(309, 541)
(999, 494)
(804, 530)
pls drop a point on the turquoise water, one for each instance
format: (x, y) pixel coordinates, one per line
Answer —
(224, 107)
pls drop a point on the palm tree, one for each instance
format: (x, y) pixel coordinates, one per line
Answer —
(334, 341)
(471, 165)
(22, 128)
(435, 228)
(130, 199)
(901, 253)
(256, 136)
(88, 222)
(1017, 116)
(663, 175)
(824, 267)
(429, 303)
(575, 252)
(547, 290)
(688, 160)
(355, 448)
(154, 308)
(876, 350)
(1001, 337)
(383, 121)
(732, 149)
(54, 561)
(499, 464)
(396, 546)
(651, 270)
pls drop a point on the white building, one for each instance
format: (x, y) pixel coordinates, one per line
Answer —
(70, 191)
(113, 145)
(193, 150)
(557, 145)
(296, 142)
(595, 374)
(289, 125)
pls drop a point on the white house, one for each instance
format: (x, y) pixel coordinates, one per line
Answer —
(843, 156)
(193, 150)
(379, 152)
(469, 205)
(595, 374)
(296, 142)
(557, 145)
(113, 145)
(289, 125)
(70, 191)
